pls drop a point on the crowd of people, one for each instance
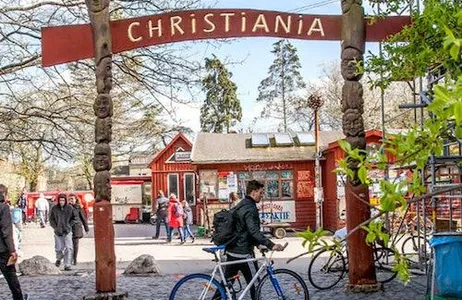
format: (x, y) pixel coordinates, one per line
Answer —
(175, 215)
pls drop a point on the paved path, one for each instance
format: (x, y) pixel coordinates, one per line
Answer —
(175, 261)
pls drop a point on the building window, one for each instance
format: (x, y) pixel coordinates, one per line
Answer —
(209, 183)
(278, 184)
(173, 184)
(189, 191)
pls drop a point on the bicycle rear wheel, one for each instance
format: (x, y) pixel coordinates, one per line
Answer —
(384, 260)
(197, 287)
(326, 269)
(282, 284)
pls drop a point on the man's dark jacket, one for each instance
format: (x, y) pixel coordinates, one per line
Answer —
(61, 218)
(247, 222)
(6, 230)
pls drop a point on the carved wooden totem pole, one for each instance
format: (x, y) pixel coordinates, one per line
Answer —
(98, 11)
(360, 257)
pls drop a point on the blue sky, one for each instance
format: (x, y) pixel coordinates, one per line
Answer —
(254, 53)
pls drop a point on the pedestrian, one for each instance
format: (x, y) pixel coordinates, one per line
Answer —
(42, 207)
(78, 222)
(16, 218)
(247, 222)
(8, 254)
(161, 214)
(61, 217)
(22, 203)
(233, 199)
(175, 218)
(188, 221)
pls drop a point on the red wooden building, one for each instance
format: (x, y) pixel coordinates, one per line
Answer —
(172, 171)
(283, 161)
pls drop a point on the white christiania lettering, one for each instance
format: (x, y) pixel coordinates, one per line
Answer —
(175, 22)
(212, 26)
(300, 24)
(286, 26)
(260, 23)
(316, 26)
(154, 28)
(130, 33)
(227, 15)
(193, 23)
(243, 22)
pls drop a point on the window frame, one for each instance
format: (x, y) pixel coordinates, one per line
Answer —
(177, 184)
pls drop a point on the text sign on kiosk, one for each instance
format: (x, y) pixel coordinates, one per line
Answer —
(183, 156)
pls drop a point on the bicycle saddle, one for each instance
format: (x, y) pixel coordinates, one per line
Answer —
(214, 249)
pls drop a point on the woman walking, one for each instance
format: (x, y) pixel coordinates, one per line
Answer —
(77, 223)
(175, 218)
(188, 220)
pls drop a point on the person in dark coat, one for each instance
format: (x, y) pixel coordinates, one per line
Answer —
(78, 222)
(161, 213)
(8, 255)
(247, 222)
(61, 217)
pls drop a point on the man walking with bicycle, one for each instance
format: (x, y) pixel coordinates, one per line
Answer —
(247, 224)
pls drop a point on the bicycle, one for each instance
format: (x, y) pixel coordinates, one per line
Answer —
(281, 284)
(325, 273)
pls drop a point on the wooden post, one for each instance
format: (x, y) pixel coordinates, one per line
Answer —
(98, 11)
(361, 269)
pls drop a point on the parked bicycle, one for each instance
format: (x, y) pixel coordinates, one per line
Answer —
(329, 265)
(276, 283)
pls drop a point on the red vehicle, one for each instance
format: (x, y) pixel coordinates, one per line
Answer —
(86, 200)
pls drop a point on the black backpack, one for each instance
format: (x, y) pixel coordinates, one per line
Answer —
(224, 226)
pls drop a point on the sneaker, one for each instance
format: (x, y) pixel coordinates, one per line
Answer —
(26, 297)
(182, 242)
(58, 263)
(68, 268)
(193, 240)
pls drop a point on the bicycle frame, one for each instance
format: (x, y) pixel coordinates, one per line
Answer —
(267, 265)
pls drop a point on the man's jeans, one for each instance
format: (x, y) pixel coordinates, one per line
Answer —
(9, 272)
(180, 230)
(41, 215)
(64, 248)
(161, 219)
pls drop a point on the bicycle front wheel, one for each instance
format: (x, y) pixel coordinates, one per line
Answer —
(326, 269)
(385, 262)
(198, 287)
(282, 284)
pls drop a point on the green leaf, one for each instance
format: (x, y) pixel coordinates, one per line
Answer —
(345, 145)
(362, 174)
(458, 112)
(455, 51)
(459, 132)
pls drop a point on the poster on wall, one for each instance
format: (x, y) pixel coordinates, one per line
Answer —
(208, 183)
(227, 183)
(277, 211)
(305, 184)
(126, 194)
(341, 180)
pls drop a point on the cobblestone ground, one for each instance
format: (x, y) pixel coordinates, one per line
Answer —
(70, 287)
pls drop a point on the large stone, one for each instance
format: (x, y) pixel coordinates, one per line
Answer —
(38, 265)
(144, 264)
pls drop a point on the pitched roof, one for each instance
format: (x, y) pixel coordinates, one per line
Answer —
(234, 147)
(172, 142)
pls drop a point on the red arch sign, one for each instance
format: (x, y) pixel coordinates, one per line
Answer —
(63, 44)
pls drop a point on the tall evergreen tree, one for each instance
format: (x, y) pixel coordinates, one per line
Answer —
(221, 109)
(279, 90)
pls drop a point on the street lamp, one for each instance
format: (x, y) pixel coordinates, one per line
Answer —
(315, 102)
